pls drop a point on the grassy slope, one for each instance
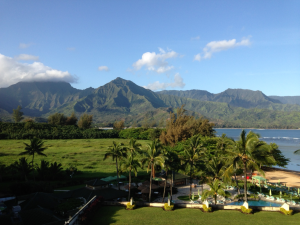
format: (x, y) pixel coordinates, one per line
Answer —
(87, 154)
(151, 215)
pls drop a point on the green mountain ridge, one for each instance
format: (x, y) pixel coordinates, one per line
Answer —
(123, 99)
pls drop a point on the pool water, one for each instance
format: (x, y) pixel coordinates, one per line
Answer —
(257, 203)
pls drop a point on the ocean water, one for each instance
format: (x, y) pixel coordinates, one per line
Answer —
(287, 140)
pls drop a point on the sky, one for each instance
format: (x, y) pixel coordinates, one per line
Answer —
(160, 45)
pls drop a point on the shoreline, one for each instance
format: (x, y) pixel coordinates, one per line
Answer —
(257, 128)
(289, 177)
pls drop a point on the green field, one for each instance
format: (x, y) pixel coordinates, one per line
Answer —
(151, 215)
(86, 154)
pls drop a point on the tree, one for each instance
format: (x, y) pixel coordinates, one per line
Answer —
(3, 169)
(71, 120)
(216, 188)
(248, 151)
(17, 114)
(119, 125)
(55, 170)
(23, 167)
(129, 164)
(181, 127)
(191, 156)
(134, 148)
(153, 157)
(57, 119)
(35, 147)
(85, 121)
(43, 169)
(116, 151)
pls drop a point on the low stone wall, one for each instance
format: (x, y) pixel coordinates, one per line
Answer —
(199, 206)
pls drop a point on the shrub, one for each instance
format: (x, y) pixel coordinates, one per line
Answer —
(128, 206)
(168, 208)
(290, 212)
(209, 209)
(244, 210)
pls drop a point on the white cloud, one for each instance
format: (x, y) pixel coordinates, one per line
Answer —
(195, 38)
(155, 62)
(103, 68)
(178, 82)
(217, 46)
(27, 57)
(23, 45)
(13, 72)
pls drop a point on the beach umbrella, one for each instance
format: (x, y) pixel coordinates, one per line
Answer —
(298, 191)
(270, 192)
(126, 187)
(141, 187)
(154, 186)
(280, 194)
(193, 196)
(198, 193)
(146, 190)
(288, 188)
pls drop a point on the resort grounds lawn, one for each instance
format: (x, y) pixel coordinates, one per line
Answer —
(86, 154)
(151, 215)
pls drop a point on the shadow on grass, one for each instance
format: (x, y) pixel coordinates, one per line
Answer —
(106, 215)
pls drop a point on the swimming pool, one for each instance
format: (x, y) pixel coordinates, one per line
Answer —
(257, 203)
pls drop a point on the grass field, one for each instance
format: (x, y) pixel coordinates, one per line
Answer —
(86, 154)
(151, 215)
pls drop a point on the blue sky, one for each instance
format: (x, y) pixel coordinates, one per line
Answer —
(182, 45)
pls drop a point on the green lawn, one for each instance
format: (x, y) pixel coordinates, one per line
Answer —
(87, 154)
(151, 215)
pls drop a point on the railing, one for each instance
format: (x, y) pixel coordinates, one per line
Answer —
(74, 219)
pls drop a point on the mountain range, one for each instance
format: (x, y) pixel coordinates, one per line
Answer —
(123, 99)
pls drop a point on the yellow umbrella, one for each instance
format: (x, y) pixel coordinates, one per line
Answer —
(270, 192)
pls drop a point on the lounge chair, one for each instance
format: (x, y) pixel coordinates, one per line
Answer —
(267, 197)
(193, 202)
(228, 199)
(272, 198)
(293, 202)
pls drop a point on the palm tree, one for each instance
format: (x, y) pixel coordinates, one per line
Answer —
(134, 147)
(130, 164)
(216, 188)
(43, 169)
(191, 156)
(55, 170)
(248, 151)
(23, 167)
(35, 147)
(153, 157)
(116, 151)
(3, 169)
(171, 163)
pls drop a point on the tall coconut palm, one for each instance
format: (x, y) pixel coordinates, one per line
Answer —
(55, 170)
(192, 155)
(43, 169)
(248, 151)
(133, 147)
(153, 157)
(36, 146)
(23, 167)
(216, 188)
(116, 151)
(130, 164)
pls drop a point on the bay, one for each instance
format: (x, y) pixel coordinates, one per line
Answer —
(288, 141)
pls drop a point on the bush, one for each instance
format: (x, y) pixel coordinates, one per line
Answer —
(168, 208)
(209, 209)
(128, 206)
(285, 212)
(244, 210)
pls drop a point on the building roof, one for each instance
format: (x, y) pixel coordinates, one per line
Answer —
(96, 182)
(40, 199)
(107, 193)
